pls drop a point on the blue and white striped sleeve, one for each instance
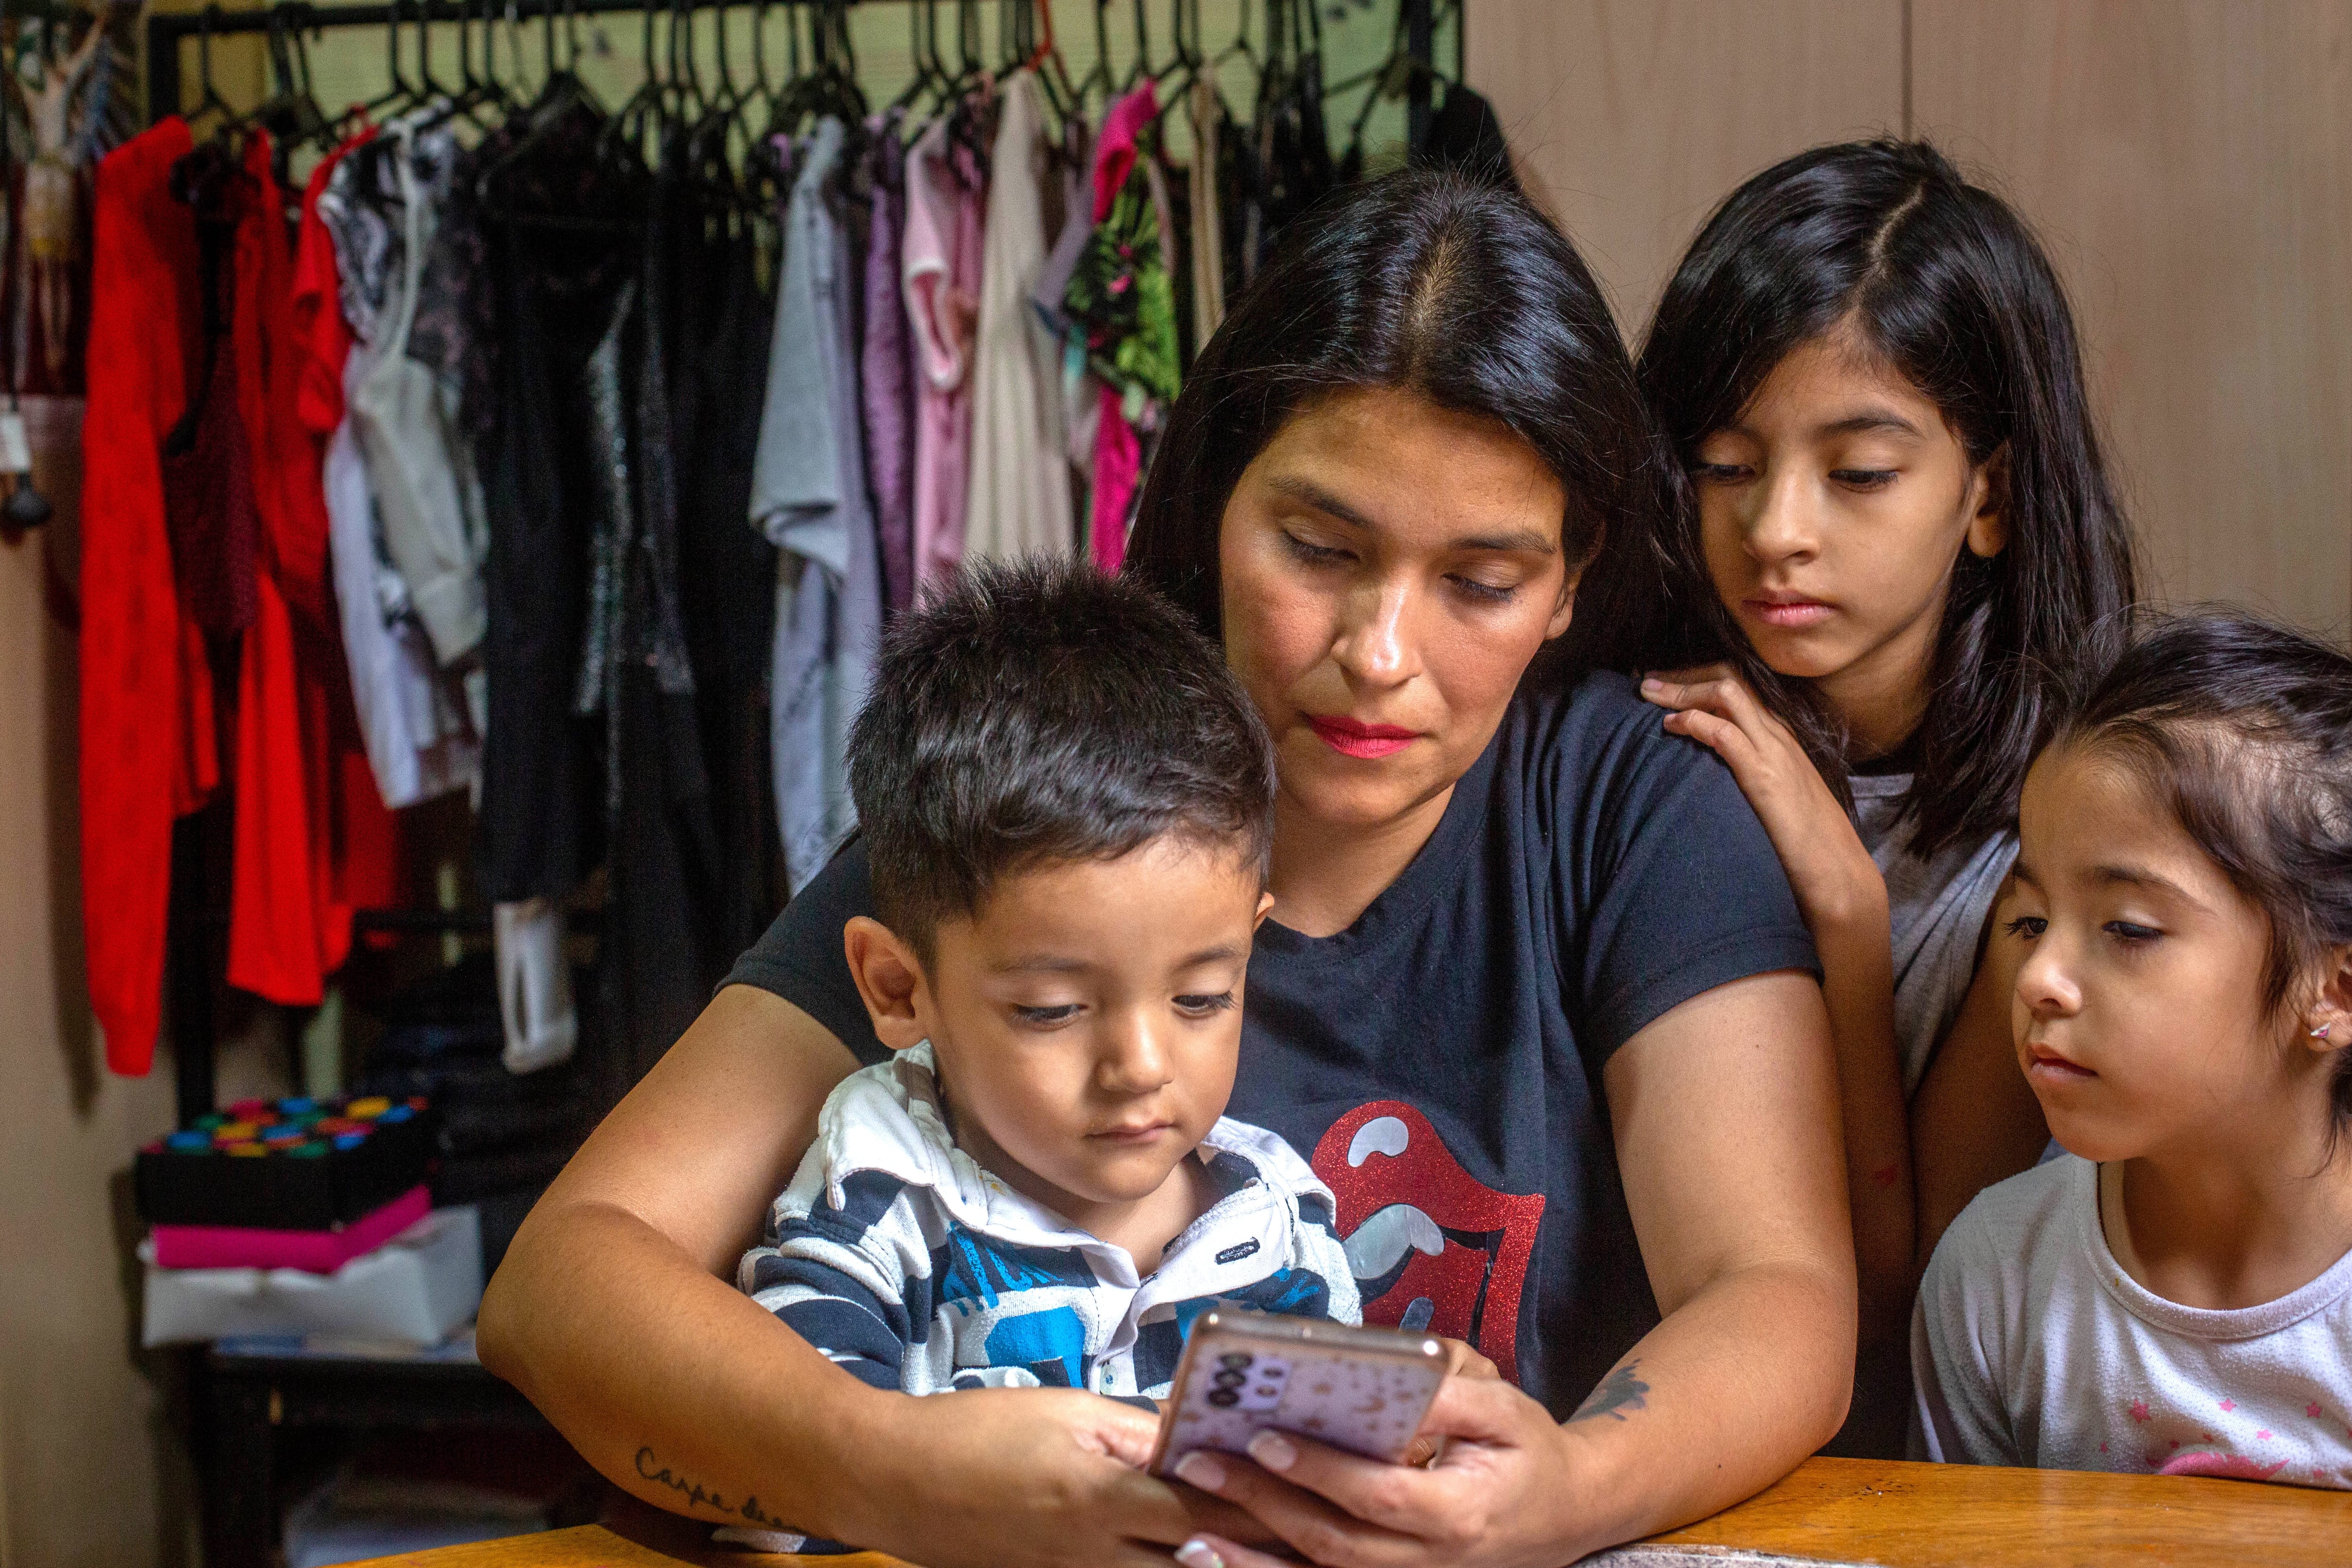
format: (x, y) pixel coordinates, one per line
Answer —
(817, 1271)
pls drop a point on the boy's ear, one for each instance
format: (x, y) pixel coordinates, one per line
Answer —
(889, 981)
(1264, 907)
(1988, 520)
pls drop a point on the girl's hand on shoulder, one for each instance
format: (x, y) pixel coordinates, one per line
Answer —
(1502, 1495)
(1831, 872)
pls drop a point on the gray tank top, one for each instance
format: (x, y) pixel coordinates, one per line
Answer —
(1938, 908)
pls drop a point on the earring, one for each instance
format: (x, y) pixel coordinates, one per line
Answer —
(2321, 1032)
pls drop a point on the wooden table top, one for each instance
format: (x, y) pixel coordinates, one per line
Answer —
(1842, 1511)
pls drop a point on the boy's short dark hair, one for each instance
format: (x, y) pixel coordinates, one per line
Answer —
(1043, 710)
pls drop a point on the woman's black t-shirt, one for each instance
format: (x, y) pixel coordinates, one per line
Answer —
(1439, 1061)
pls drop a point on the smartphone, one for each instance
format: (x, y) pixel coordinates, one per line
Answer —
(1365, 1390)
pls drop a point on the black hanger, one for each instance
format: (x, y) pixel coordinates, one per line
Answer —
(921, 17)
(1241, 45)
(1394, 76)
(561, 96)
(429, 89)
(687, 102)
(1142, 67)
(763, 89)
(971, 63)
(1191, 57)
(1098, 76)
(399, 93)
(1176, 80)
(1012, 42)
(498, 93)
(290, 114)
(472, 95)
(841, 54)
(637, 124)
(708, 171)
(484, 92)
(208, 98)
(726, 97)
(710, 144)
(830, 85)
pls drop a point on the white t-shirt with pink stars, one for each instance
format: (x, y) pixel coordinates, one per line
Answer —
(2031, 1346)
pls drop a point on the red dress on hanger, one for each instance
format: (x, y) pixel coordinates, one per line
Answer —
(147, 753)
(299, 833)
(306, 840)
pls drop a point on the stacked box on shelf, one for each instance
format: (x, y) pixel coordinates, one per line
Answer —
(294, 1164)
(303, 1217)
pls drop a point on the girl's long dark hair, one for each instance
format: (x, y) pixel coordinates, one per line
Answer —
(1942, 278)
(1462, 293)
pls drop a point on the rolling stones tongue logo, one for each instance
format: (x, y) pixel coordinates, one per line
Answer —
(1431, 1245)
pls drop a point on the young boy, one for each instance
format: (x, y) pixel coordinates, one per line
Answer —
(1067, 805)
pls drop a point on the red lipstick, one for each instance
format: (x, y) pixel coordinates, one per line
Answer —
(1354, 737)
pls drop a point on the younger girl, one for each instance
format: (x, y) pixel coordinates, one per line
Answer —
(1901, 524)
(2176, 1294)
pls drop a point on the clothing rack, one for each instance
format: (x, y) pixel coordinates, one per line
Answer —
(197, 940)
(166, 30)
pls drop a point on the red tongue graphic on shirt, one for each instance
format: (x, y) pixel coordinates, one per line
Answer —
(1404, 1199)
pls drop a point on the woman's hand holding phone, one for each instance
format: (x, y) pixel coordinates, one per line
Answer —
(1500, 1496)
(1461, 1361)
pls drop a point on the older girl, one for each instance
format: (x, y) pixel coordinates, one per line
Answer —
(1904, 527)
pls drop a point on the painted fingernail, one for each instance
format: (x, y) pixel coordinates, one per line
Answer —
(1198, 1554)
(1273, 1451)
(1200, 1470)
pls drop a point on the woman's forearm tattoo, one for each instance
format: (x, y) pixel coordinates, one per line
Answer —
(1619, 1391)
(694, 1493)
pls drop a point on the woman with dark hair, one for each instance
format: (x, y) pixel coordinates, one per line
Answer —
(1902, 527)
(1535, 999)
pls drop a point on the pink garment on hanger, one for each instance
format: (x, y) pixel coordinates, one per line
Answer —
(943, 267)
(1118, 462)
(1115, 151)
(1118, 454)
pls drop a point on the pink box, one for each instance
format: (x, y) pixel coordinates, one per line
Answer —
(313, 1251)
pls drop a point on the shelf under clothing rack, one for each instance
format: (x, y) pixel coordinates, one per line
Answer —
(196, 936)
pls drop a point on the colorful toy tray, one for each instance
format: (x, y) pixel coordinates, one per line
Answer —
(294, 1164)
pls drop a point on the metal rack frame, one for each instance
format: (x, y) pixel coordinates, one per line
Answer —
(166, 30)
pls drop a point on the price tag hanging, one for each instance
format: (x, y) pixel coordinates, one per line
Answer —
(16, 450)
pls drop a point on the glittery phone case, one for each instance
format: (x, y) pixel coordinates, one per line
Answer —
(1364, 1390)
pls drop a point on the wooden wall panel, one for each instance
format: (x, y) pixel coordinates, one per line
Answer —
(2190, 162)
(1632, 118)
